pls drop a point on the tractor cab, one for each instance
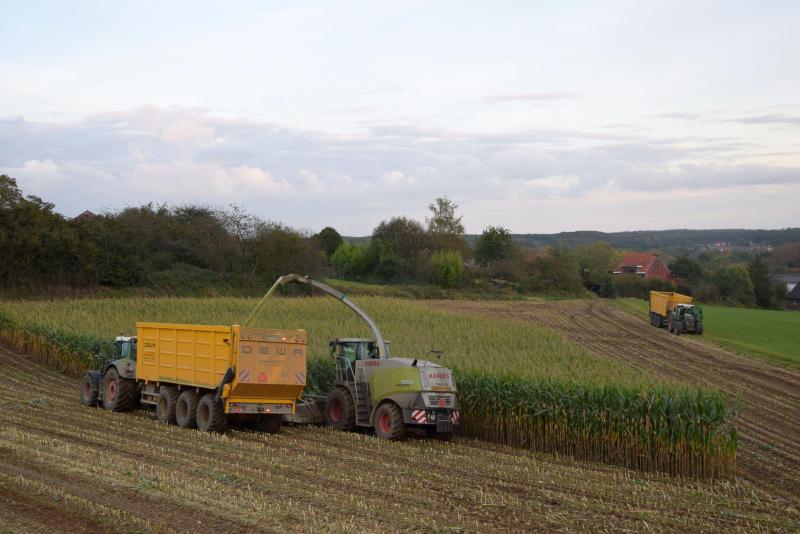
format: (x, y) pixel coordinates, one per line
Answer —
(125, 347)
(681, 311)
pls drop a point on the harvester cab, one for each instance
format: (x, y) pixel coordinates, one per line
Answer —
(373, 389)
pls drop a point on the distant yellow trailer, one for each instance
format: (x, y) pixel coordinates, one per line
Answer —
(676, 312)
(205, 376)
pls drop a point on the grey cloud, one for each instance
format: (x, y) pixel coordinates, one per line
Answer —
(678, 115)
(303, 176)
(770, 118)
(531, 97)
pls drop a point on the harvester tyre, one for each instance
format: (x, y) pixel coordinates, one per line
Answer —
(167, 402)
(211, 415)
(186, 409)
(120, 393)
(271, 424)
(89, 394)
(340, 412)
(389, 422)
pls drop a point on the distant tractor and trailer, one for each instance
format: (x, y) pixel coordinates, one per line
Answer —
(675, 312)
(207, 377)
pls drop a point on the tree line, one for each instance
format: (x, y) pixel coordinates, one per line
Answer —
(195, 248)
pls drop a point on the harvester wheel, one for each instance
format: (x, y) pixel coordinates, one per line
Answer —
(339, 410)
(271, 424)
(120, 393)
(167, 401)
(186, 409)
(88, 392)
(389, 422)
(210, 414)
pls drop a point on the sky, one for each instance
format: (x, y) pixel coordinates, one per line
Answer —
(536, 116)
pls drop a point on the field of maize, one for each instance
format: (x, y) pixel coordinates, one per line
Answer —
(519, 384)
(769, 426)
(66, 467)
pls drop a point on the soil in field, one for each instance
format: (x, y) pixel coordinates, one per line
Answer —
(769, 446)
(64, 466)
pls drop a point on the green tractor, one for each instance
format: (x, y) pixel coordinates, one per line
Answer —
(686, 318)
(373, 389)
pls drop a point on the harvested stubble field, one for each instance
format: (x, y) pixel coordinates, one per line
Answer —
(769, 436)
(67, 467)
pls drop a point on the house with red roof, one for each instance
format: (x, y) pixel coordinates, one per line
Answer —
(644, 264)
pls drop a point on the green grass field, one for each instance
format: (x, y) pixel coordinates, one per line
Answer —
(771, 335)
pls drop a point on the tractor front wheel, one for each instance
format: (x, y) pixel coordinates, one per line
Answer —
(339, 410)
(389, 422)
(120, 393)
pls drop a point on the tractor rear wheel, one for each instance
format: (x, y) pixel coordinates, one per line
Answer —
(389, 422)
(186, 409)
(120, 393)
(210, 414)
(89, 393)
(340, 412)
(271, 424)
(167, 401)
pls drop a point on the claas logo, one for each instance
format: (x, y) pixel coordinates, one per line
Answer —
(440, 376)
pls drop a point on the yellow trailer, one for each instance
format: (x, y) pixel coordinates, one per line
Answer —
(663, 302)
(205, 376)
(676, 312)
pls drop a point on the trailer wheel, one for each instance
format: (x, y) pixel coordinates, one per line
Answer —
(120, 393)
(186, 409)
(271, 424)
(339, 410)
(89, 393)
(167, 401)
(389, 422)
(210, 414)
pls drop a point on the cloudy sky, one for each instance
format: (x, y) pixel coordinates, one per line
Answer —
(538, 116)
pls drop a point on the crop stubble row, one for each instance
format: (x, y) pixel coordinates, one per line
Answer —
(136, 473)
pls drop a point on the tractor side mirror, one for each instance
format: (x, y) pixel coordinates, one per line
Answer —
(332, 346)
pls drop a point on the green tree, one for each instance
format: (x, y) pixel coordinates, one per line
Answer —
(597, 262)
(399, 249)
(329, 240)
(759, 276)
(493, 244)
(349, 261)
(685, 267)
(445, 229)
(447, 267)
(735, 285)
(557, 270)
(444, 220)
